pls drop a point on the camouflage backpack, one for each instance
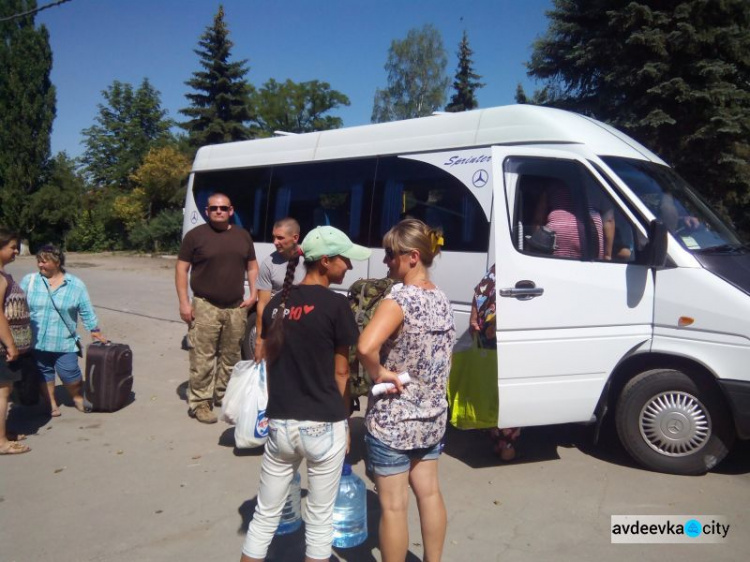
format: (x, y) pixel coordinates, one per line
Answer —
(364, 296)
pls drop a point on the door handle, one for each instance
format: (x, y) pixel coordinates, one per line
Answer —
(523, 291)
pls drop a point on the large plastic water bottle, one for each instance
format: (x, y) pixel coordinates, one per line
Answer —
(350, 511)
(291, 515)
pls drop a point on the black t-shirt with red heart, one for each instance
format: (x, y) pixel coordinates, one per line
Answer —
(301, 381)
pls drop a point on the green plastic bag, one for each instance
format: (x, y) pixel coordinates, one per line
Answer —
(472, 388)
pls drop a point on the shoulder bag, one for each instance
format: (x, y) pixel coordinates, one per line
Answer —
(472, 388)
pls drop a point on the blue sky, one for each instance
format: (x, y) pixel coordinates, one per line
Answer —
(343, 42)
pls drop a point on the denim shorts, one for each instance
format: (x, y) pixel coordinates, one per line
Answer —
(383, 460)
(66, 365)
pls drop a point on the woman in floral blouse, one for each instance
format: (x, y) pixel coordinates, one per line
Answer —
(413, 331)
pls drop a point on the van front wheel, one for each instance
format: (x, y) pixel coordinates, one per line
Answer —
(669, 422)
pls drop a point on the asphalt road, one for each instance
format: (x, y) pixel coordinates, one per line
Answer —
(147, 483)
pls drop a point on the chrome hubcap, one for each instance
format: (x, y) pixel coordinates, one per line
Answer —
(675, 424)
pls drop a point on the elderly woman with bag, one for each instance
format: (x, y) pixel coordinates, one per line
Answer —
(56, 299)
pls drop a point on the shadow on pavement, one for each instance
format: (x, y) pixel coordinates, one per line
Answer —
(181, 391)
(30, 419)
(27, 419)
(737, 461)
(536, 444)
(541, 443)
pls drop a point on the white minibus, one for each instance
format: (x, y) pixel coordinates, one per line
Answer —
(646, 319)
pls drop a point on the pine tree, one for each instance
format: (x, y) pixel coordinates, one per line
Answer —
(675, 74)
(221, 104)
(416, 77)
(466, 81)
(27, 110)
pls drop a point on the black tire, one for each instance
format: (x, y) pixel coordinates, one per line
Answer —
(670, 422)
(248, 342)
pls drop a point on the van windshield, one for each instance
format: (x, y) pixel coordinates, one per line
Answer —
(674, 202)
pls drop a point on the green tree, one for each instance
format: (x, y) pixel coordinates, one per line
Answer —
(27, 110)
(219, 107)
(466, 82)
(675, 74)
(152, 212)
(97, 227)
(54, 207)
(416, 77)
(296, 107)
(128, 125)
(163, 177)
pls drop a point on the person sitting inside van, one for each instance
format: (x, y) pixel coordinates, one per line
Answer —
(558, 210)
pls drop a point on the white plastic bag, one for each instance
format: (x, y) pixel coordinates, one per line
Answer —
(252, 426)
(237, 391)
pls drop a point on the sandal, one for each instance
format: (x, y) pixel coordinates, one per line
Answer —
(84, 406)
(55, 413)
(505, 450)
(504, 442)
(15, 448)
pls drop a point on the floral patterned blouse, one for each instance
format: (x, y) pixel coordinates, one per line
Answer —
(415, 418)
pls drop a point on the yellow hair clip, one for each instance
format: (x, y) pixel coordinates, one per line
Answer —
(437, 241)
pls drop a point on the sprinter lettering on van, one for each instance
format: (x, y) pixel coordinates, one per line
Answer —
(458, 160)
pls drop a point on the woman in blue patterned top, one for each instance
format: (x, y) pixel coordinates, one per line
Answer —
(412, 330)
(56, 299)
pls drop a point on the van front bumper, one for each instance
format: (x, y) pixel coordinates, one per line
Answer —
(737, 394)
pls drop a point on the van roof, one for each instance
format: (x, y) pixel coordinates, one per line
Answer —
(505, 125)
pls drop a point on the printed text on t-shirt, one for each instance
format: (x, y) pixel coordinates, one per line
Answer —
(295, 312)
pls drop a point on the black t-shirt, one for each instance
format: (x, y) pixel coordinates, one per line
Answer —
(301, 381)
(218, 260)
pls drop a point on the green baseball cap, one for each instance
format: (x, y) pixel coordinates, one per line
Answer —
(330, 241)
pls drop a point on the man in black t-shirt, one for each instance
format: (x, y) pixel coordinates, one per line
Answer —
(217, 255)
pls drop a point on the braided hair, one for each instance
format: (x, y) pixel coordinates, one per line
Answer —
(275, 336)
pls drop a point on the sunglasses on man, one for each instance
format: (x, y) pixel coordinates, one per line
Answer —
(222, 208)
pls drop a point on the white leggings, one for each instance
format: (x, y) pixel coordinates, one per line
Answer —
(323, 446)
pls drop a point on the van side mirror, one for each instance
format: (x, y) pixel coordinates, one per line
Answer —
(656, 250)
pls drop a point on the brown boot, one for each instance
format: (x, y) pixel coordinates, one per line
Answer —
(203, 414)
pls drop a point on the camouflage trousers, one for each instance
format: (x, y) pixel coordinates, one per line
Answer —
(216, 336)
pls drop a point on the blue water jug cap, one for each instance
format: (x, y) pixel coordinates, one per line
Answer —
(346, 470)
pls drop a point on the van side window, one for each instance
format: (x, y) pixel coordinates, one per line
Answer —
(409, 188)
(247, 189)
(562, 212)
(324, 193)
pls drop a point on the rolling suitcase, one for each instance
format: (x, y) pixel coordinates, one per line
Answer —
(109, 375)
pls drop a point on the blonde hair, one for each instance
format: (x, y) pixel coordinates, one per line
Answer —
(413, 234)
